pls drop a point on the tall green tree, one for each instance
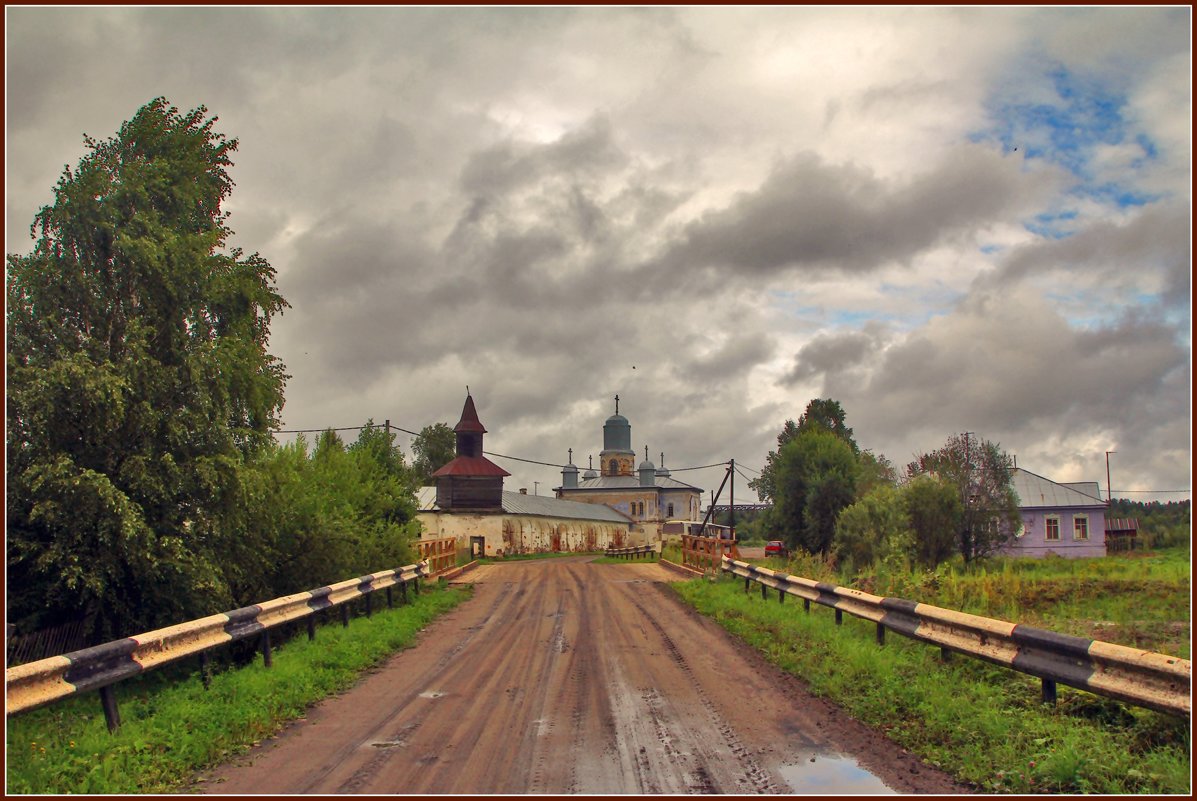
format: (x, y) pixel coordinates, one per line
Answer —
(820, 413)
(981, 474)
(138, 381)
(934, 509)
(433, 448)
(815, 479)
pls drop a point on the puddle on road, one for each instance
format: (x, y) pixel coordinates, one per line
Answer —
(832, 775)
(431, 694)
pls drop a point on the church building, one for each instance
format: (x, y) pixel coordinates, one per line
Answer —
(646, 494)
(469, 504)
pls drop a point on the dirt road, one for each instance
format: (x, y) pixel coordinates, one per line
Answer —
(561, 676)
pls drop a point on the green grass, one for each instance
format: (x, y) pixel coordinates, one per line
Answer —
(982, 723)
(171, 730)
(1141, 601)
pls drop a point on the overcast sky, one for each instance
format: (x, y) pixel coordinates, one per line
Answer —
(946, 219)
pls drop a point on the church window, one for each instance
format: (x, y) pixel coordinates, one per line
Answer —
(613, 468)
(670, 513)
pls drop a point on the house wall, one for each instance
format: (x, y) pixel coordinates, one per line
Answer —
(1034, 540)
(517, 534)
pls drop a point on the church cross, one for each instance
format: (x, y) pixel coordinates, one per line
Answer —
(617, 404)
(571, 455)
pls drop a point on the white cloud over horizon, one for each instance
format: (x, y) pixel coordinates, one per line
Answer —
(947, 219)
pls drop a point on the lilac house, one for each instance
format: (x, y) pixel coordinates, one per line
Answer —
(1064, 519)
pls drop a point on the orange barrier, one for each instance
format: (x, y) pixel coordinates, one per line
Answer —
(440, 553)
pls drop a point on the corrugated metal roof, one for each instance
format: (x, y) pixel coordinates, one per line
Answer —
(1035, 492)
(517, 503)
(1084, 487)
(1122, 524)
(632, 482)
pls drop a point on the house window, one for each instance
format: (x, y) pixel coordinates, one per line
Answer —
(670, 512)
(1051, 528)
(1080, 527)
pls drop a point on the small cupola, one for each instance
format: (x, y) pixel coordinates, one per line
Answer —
(569, 473)
(647, 471)
(590, 471)
(663, 471)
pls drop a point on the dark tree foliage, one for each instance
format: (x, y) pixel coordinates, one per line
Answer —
(138, 383)
(934, 510)
(815, 479)
(821, 413)
(433, 448)
(981, 474)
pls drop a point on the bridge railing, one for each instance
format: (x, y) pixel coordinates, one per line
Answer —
(706, 553)
(46, 681)
(441, 554)
(1142, 678)
(632, 553)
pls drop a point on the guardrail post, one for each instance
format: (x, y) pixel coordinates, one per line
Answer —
(764, 592)
(311, 627)
(781, 595)
(389, 604)
(945, 654)
(205, 669)
(403, 590)
(369, 604)
(806, 605)
(1049, 691)
(839, 617)
(880, 634)
(112, 715)
(416, 583)
(266, 654)
(345, 615)
(747, 581)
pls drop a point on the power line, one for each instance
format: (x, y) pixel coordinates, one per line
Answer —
(390, 425)
(1126, 491)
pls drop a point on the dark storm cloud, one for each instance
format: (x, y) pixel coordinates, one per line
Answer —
(1154, 240)
(829, 352)
(811, 215)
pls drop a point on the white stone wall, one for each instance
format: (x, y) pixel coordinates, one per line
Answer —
(517, 534)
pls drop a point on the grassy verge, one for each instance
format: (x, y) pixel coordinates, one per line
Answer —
(169, 731)
(979, 722)
(1141, 601)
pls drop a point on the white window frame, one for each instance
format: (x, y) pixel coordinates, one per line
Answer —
(1047, 528)
(1075, 520)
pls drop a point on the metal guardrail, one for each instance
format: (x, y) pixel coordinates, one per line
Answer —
(1142, 678)
(43, 682)
(630, 553)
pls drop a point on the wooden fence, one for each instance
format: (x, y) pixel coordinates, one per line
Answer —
(441, 554)
(706, 553)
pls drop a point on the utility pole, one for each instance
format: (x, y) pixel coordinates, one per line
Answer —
(1109, 491)
(731, 507)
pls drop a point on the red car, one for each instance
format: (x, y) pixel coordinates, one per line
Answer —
(776, 548)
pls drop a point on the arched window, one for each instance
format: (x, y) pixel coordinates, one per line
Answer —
(642, 508)
(670, 513)
(613, 468)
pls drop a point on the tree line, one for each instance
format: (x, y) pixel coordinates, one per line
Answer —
(832, 498)
(144, 487)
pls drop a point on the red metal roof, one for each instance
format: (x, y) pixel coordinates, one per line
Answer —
(471, 466)
(469, 419)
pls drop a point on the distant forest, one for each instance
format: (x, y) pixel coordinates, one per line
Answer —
(1169, 522)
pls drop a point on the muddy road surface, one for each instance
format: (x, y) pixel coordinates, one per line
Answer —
(563, 676)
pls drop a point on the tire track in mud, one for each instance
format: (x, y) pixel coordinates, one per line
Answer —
(756, 779)
(558, 676)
